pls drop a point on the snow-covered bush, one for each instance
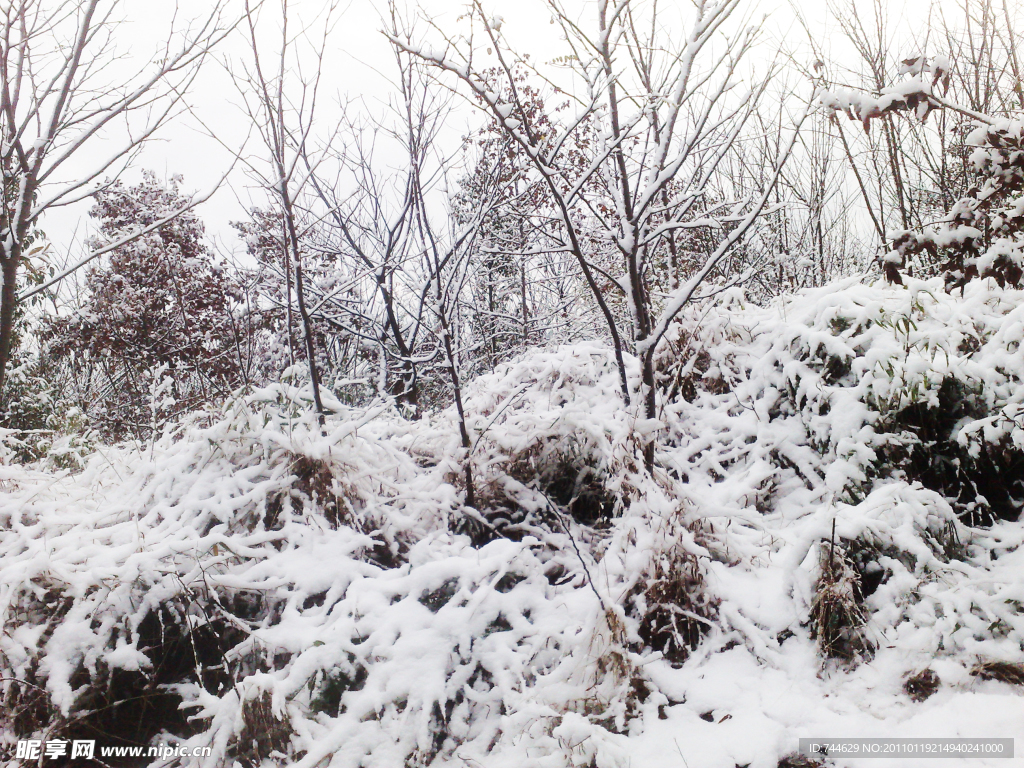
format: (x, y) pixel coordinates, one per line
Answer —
(552, 433)
(892, 411)
(295, 596)
(298, 595)
(853, 384)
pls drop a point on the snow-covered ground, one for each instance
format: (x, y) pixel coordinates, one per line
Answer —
(328, 600)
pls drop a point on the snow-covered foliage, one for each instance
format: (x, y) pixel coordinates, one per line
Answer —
(161, 306)
(795, 565)
(917, 93)
(980, 234)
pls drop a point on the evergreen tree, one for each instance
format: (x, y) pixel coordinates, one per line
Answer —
(160, 303)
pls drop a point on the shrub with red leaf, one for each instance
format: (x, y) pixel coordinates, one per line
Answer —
(161, 302)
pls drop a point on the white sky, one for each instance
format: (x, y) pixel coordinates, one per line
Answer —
(359, 60)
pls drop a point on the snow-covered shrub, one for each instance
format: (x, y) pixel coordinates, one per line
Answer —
(877, 383)
(888, 410)
(31, 406)
(669, 601)
(552, 434)
(134, 583)
(295, 596)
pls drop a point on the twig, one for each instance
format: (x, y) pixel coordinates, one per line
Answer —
(586, 571)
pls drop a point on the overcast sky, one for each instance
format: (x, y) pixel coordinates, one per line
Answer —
(357, 69)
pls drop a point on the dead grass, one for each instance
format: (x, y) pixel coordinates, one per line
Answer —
(316, 482)
(922, 685)
(618, 687)
(263, 734)
(683, 369)
(1003, 671)
(837, 618)
(671, 603)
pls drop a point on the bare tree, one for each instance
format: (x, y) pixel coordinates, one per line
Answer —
(656, 117)
(411, 258)
(810, 236)
(60, 98)
(448, 266)
(367, 226)
(284, 119)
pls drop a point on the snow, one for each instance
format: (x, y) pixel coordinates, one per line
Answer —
(526, 649)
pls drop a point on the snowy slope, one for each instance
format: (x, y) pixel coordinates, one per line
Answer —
(326, 599)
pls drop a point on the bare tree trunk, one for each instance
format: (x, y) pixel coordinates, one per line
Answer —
(650, 402)
(307, 328)
(8, 305)
(525, 308)
(444, 309)
(453, 371)
(286, 147)
(292, 240)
